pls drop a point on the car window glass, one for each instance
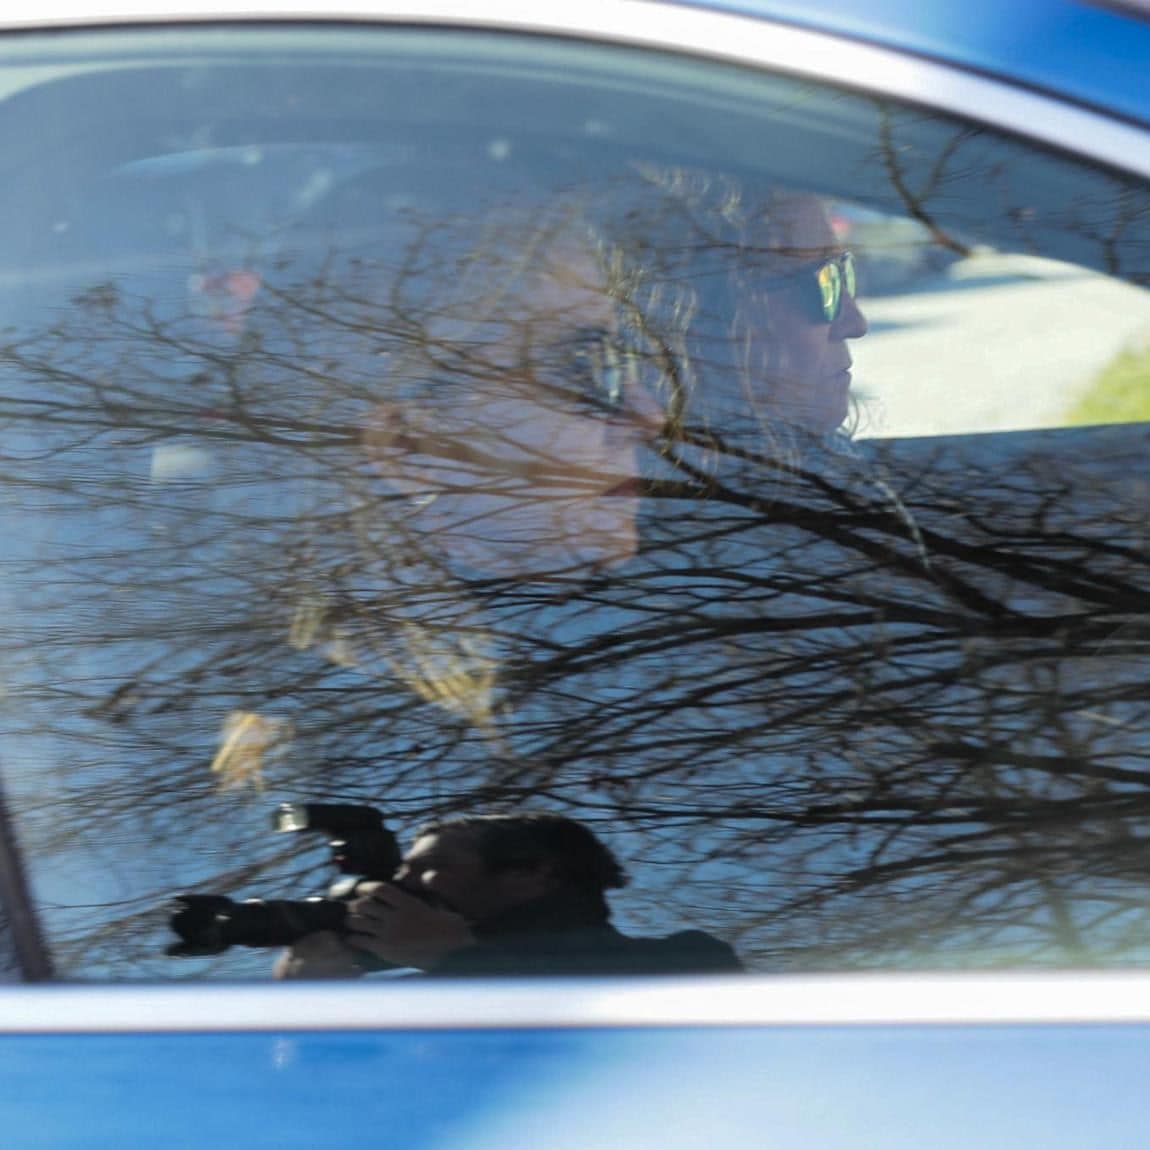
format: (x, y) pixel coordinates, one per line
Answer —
(453, 423)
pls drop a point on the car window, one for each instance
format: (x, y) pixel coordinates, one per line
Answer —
(749, 469)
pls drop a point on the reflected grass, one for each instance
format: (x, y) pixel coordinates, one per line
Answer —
(1120, 394)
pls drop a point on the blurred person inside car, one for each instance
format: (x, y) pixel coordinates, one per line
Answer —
(519, 420)
(558, 362)
(558, 366)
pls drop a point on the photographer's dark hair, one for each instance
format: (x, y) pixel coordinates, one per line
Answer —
(580, 862)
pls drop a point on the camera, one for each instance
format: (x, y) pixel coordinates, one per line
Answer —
(361, 847)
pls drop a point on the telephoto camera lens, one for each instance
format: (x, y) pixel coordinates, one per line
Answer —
(210, 923)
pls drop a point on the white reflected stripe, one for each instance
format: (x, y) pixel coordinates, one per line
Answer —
(718, 35)
(738, 1002)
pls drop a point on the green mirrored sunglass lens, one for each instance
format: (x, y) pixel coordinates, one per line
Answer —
(830, 285)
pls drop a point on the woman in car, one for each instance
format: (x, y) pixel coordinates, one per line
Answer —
(539, 388)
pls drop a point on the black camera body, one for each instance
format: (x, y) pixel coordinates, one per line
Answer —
(362, 848)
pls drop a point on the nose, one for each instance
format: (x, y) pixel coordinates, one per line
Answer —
(850, 323)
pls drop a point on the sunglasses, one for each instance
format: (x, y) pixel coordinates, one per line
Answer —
(823, 285)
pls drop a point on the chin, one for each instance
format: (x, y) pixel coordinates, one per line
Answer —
(833, 414)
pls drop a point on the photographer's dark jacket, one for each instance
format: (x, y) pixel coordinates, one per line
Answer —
(565, 936)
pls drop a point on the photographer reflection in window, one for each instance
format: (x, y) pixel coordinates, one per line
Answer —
(516, 894)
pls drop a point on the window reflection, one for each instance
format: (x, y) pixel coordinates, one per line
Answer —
(332, 478)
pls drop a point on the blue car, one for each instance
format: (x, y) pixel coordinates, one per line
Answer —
(575, 574)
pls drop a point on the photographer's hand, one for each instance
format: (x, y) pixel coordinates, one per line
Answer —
(319, 955)
(402, 929)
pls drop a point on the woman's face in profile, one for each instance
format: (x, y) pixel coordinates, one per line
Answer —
(522, 454)
(808, 363)
(786, 363)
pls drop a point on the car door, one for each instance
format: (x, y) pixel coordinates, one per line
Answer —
(456, 417)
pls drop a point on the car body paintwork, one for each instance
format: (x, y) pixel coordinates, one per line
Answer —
(997, 1087)
(1091, 53)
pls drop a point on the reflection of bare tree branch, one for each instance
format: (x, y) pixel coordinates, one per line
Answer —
(930, 181)
(839, 706)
